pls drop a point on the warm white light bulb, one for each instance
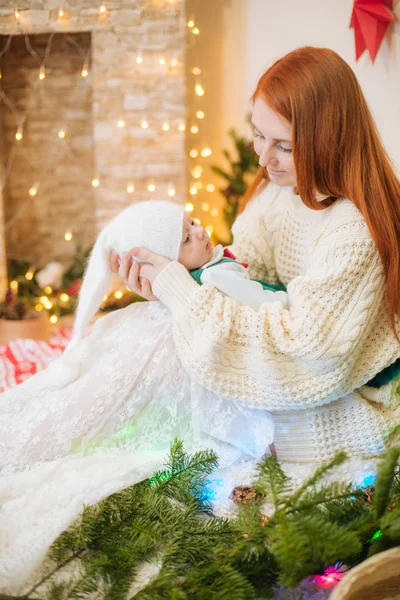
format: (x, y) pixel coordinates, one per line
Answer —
(121, 123)
(199, 90)
(190, 23)
(205, 206)
(85, 72)
(165, 126)
(139, 60)
(189, 207)
(53, 319)
(68, 236)
(194, 153)
(214, 212)
(64, 297)
(196, 30)
(17, 15)
(197, 171)
(18, 135)
(42, 73)
(144, 124)
(95, 182)
(102, 8)
(181, 126)
(29, 275)
(33, 191)
(61, 135)
(162, 61)
(171, 192)
(130, 188)
(200, 114)
(174, 62)
(48, 289)
(206, 152)
(196, 71)
(193, 190)
(151, 187)
(14, 285)
(61, 12)
(118, 294)
(210, 187)
(194, 129)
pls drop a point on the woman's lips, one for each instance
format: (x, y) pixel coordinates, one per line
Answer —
(274, 172)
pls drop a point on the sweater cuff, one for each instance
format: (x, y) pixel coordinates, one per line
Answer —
(175, 287)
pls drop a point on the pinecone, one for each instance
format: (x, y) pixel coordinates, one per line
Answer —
(242, 494)
(368, 493)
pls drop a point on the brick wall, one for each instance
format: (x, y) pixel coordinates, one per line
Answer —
(117, 88)
(63, 168)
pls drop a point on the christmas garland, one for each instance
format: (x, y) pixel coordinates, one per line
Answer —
(314, 534)
(52, 290)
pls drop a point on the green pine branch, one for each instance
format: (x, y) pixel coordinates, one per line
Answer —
(168, 519)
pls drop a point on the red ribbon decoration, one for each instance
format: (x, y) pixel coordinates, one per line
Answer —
(370, 20)
(229, 254)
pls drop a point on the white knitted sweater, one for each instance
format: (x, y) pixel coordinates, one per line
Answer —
(308, 364)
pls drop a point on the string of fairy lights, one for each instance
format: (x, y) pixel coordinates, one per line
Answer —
(199, 151)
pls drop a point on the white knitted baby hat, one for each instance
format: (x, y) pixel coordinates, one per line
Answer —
(156, 225)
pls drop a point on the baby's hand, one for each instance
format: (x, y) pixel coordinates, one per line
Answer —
(128, 270)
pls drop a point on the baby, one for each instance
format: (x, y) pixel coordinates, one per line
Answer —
(165, 228)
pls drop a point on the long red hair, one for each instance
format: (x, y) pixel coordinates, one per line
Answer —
(337, 150)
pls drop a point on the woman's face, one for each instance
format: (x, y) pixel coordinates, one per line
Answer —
(273, 144)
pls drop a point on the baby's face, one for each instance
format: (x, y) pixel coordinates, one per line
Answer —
(196, 249)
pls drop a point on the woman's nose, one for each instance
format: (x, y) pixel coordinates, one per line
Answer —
(267, 157)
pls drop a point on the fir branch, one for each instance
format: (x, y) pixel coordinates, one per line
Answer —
(272, 480)
(390, 524)
(313, 543)
(332, 495)
(384, 480)
(319, 473)
(51, 574)
(165, 519)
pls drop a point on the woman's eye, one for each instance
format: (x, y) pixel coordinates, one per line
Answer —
(187, 239)
(257, 134)
(287, 150)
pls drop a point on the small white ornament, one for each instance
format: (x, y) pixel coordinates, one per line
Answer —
(50, 275)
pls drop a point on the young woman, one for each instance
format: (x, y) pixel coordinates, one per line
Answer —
(327, 226)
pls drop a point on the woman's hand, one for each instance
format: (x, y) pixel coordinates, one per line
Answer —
(138, 277)
(128, 270)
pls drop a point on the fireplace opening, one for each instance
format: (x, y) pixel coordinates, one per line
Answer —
(47, 150)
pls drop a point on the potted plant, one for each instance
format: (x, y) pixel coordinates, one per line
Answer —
(19, 320)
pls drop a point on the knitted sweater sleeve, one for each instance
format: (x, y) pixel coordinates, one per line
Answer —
(328, 343)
